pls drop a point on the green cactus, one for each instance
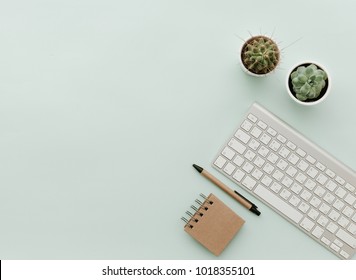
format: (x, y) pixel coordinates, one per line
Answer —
(308, 82)
(260, 55)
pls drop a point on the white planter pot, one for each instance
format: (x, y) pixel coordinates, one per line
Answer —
(319, 99)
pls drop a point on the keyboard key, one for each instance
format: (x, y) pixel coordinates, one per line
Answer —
(324, 208)
(262, 125)
(348, 211)
(310, 159)
(334, 215)
(343, 222)
(332, 227)
(266, 180)
(278, 203)
(350, 187)
(301, 178)
(281, 138)
(350, 199)
(309, 184)
(265, 139)
(285, 194)
(320, 166)
(247, 167)
(291, 171)
(313, 214)
(272, 158)
(307, 224)
(338, 204)
(287, 181)
(315, 201)
(268, 168)
(340, 180)
(238, 160)
(291, 145)
(220, 161)
(302, 165)
(323, 221)
(305, 195)
(246, 125)
(257, 174)
(229, 168)
(344, 254)
(321, 179)
(278, 175)
(329, 198)
(312, 172)
(276, 187)
(254, 144)
(242, 136)
(282, 164)
(238, 175)
(249, 155)
(294, 200)
(340, 192)
(352, 229)
(325, 241)
(284, 152)
(330, 185)
(330, 173)
(335, 247)
(274, 145)
(256, 132)
(319, 191)
(248, 182)
(318, 232)
(259, 162)
(301, 152)
(252, 118)
(271, 131)
(237, 146)
(304, 207)
(347, 238)
(263, 151)
(228, 153)
(338, 243)
(293, 158)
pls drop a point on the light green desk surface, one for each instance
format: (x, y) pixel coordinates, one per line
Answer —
(105, 105)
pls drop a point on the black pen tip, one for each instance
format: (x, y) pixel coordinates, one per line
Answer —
(254, 210)
(198, 168)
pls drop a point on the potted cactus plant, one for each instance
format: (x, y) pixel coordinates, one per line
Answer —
(259, 55)
(308, 83)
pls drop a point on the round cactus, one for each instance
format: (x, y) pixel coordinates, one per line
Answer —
(308, 82)
(260, 55)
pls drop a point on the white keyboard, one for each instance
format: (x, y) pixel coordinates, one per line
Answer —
(295, 177)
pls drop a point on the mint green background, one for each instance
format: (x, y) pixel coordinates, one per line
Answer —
(104, 106)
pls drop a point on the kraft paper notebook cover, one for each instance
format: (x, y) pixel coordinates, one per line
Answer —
(213, 224)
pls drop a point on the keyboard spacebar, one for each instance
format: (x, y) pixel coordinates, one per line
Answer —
(278, 203)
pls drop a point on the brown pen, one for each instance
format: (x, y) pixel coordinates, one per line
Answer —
(240, 198)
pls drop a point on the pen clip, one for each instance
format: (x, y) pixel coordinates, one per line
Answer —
(254, 205)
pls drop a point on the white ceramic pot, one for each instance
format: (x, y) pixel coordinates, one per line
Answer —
(325, 92)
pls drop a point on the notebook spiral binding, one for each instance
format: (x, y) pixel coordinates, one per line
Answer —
(203, 206)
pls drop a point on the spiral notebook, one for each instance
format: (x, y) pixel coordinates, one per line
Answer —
(213, 224)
